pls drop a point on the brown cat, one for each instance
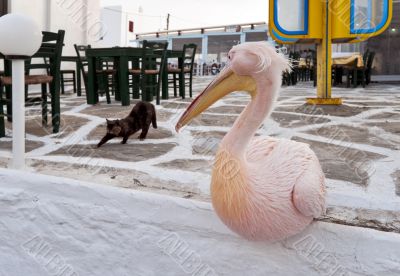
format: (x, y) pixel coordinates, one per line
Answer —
(142, 115)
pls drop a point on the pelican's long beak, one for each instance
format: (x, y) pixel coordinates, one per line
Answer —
(226, 82)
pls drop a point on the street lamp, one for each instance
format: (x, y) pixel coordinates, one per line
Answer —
(21, 39)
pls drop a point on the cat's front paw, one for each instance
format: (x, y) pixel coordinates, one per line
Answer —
(123, 142)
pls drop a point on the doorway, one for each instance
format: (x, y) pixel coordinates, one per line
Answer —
(3, 7)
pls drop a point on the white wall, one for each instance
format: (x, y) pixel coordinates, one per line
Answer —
(35, 9)
(79, 18)
(111, 16)
(116, 24)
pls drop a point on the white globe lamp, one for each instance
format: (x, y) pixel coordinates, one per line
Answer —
(21, 40)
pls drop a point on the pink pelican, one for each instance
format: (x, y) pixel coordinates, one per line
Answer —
(262, 188)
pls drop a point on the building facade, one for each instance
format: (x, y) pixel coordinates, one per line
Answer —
(79, 18)
(387, 47)
(119, 26)
(213, 43)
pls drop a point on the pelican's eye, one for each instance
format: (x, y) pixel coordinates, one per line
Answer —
(230, 55)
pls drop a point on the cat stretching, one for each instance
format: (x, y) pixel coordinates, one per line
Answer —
(142, 115)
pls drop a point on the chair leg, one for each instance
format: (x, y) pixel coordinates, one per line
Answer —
(355, 80)
(2, 115)
(44, 104)
(348, 79)
(9, 103)
(182, 85)
(2, 125)
(103, 84)
(315, 76)
(143, 87)
(74, 82)
(113, 85)
(26, 91)
(190, 85)
(55, 107)
(158, 90)
(107, 89)
(175, 86)
(363, 78)
(62, 84)
(367, 77)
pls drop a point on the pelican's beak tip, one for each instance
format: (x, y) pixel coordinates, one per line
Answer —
(178, 127)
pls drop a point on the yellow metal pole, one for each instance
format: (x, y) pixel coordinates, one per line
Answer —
(324, 62)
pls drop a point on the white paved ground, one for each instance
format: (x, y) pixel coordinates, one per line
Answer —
(357, 144)
(57, 226)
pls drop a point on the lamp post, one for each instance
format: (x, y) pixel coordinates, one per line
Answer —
(21, 39)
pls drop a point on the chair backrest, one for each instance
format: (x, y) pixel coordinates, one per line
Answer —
(82, 62)
(154, 45)
(148, 61)
(370, 60)
(365, 56)
(189, 53)
(48, 57)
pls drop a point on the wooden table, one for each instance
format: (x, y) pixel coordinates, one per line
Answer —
(303, 63)
(347, 59)
(75, 59)
(340, 59)
(122, 56)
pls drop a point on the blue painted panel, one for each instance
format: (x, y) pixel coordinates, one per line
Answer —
(288, 32)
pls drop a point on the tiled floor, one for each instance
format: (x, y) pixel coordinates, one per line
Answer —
(357, 143)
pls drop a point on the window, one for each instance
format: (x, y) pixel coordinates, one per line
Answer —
(368, 16)
(291, 16)
(131, 26)
(256, 36)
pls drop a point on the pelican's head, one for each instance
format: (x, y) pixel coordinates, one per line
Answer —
(248, 64)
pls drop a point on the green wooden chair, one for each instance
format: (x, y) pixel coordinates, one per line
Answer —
(368, 69)
(2, 125)
(151, 68)
(184, 69)
(361, 75)
(48, 58)
(103, 73)
(68, 76)
(2, 102)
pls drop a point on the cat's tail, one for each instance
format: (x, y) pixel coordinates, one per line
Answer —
(154, 119)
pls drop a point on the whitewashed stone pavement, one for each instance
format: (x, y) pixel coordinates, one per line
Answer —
(357, 144)
(58, 226)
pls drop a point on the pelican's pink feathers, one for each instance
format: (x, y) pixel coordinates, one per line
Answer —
(264, 188)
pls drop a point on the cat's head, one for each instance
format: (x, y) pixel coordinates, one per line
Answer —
(114, 127)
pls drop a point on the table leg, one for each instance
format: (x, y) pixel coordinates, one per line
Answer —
(55, 103)
(78, 80)
(355, 78)
(135, 80)
(123, 80)
(181, 79)
(164, 82)
(2, 126)
(150, 80)
(91, 93)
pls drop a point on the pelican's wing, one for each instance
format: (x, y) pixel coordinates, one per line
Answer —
(309, 189)
(294, 168)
